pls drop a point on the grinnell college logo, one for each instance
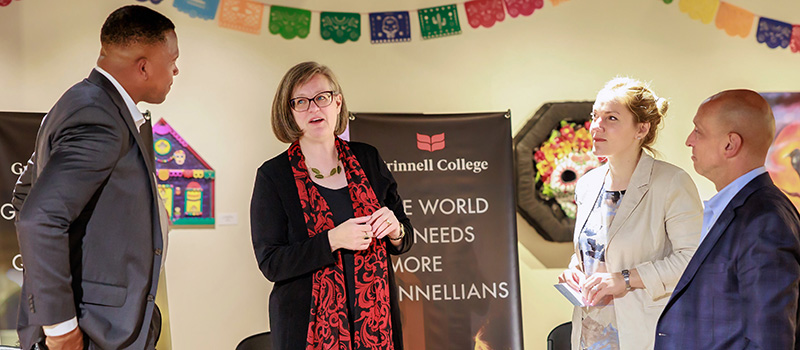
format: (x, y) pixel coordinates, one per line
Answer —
(430, 143)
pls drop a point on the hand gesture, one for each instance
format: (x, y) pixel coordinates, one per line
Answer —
(383, 223)
(602, 285)
(353, 234)
(573, 278)
(72, 340)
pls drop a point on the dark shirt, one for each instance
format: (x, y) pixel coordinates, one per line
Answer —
(342, 209)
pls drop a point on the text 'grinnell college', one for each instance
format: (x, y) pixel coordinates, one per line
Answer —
(459, 164)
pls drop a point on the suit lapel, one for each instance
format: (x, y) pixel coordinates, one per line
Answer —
(706, 246)
(637, 188)
(586, 199)
(716, 232)
(97, 78)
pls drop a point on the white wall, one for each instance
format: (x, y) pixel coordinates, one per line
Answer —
(220, 103)
(10, 53)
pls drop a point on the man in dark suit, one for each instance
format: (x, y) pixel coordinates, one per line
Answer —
(91, 227)
(740, 290)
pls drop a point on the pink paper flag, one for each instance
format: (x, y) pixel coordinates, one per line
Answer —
(522, 7)
(484, 12)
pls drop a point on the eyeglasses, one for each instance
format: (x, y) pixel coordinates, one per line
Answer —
(322, 99)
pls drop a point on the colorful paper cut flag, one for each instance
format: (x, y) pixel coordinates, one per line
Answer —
(4, 2)
(774, 33)
(389, 27)
(703, 10)
(734, 20)
(557, 2)
(242, 15)
(522, 7)
(153, 1)
(667, 1)
(289, 22)
(205, 9)
(484, 12)
(439, 21)
(340, 26)
(795, 44)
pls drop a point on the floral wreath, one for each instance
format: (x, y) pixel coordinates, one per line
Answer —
(561, 160)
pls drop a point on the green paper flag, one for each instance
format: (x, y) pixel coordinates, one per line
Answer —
(340, 26)
(289, 22)
(667, 1)
(439, 21)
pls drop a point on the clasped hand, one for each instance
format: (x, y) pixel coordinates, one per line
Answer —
(357, 233)
(596, 287)
(72, 340)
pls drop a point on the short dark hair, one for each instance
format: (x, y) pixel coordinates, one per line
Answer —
(135, 24)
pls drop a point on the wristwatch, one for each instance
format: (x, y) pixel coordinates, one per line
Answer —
(626, 275)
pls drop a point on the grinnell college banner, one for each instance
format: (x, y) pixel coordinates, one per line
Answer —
(17, 138)
(459, 285)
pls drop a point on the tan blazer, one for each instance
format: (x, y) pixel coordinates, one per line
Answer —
(656, 230)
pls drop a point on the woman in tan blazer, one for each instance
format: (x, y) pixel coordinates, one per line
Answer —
(637, 226)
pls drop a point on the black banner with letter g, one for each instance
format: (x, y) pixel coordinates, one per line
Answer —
(17, 138)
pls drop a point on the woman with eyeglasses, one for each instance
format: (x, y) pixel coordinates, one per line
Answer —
(325, 216)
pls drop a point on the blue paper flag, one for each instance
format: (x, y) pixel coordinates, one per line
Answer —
(774, 33)
(205, 9)
(389, 27)
(156, 2)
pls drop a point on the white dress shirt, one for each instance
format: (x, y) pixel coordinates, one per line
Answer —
(138, 118)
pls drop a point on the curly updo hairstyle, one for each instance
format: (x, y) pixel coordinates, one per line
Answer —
(642, 101)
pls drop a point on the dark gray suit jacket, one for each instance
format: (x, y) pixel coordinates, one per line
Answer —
(88, 225)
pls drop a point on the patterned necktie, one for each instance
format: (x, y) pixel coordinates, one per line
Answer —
(146, 131)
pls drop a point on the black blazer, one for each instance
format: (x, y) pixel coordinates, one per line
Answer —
(288, 257)
(88, 227)
(740, 290)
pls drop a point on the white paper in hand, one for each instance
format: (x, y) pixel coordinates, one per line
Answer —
(574, 297)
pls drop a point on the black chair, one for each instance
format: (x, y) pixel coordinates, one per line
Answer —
(260, 341)
(559, 337)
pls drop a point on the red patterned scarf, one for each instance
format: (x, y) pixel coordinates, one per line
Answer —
(328, 327)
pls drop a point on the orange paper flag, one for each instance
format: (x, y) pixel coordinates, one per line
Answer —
(242, 15)
(556, 2)
(734, 20)
(703, 10)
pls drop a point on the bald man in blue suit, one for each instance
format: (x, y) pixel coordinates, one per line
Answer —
(740, 290)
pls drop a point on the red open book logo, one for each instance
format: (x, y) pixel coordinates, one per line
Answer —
(430, 143)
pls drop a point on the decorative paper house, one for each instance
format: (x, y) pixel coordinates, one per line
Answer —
(185, 180)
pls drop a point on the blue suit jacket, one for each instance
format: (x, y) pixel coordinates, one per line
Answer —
(740, 290)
